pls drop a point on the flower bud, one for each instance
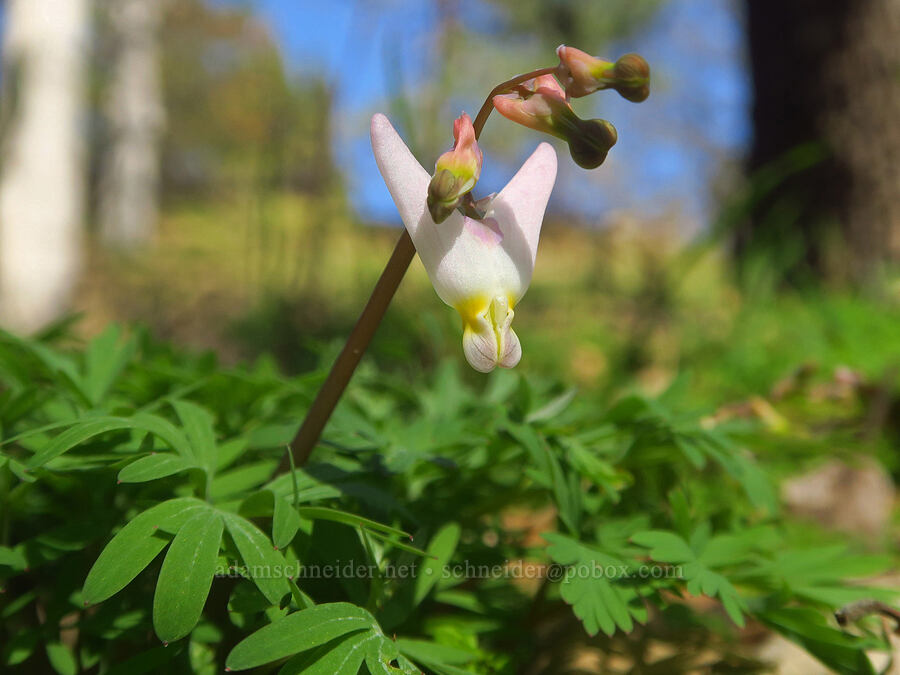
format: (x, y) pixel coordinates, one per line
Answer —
(632, 75)
(541, 104)
(455, 172)
(538, 104)
(582, 74)
(592, 141)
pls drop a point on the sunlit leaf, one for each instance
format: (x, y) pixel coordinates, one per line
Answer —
(186, 576)
(135, 546)
(297, 633)
(266, 566)
(154, 466)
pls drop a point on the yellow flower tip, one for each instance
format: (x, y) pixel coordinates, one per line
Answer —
(488, 338)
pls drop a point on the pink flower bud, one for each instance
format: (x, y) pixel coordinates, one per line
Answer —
(541, 104)
(538, 104)
(583, 74)
(456, 171)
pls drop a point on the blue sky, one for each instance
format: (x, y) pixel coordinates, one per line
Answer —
(670, 148)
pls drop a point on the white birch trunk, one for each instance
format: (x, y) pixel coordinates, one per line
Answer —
(130, 179)
(42, 176)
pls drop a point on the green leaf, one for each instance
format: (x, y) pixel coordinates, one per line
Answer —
(13, 557)
(553, 408)
(246, 599)
(566, 493)
(82, 431)
(228, 451)
(134, 547)
(165, 430)
(322, 513)
(19, 647)
(664, 546)
(705, 581)
(151, 467)
(16, 605)
(105, 359)
(431, 652)
(588, 586)
(342, 656)
(668, 547)
(20, 471)
(57, 364)
(842, 652)
(241, 478)
(198, 427)
(285, 522)
(150, 661)
(266, 566)
(533, 443)
(298, 632)
(301, 599)
(440, 548)
(61, 659)
(689, 449)
(186, 576)
(381, 654)
(75, 435)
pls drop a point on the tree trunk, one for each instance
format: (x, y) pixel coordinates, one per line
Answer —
(130, 180)
(42, 175)
(825, 77)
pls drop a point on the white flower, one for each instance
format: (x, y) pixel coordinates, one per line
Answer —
(481, 268)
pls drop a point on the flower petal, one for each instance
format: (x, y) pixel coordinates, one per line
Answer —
(405, 178)
(520, 206)
(480, 267)
(464, 258)
(488, 338)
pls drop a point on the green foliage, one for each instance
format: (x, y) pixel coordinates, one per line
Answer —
(141, 503)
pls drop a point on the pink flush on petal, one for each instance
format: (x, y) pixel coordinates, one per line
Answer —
(487, 231)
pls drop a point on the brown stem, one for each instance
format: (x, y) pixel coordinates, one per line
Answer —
(342, 370)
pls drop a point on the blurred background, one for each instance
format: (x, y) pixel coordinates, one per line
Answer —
(203, 167)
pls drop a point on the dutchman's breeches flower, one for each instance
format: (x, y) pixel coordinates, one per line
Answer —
(482, 267)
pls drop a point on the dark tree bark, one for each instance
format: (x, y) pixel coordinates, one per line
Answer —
(826, 117)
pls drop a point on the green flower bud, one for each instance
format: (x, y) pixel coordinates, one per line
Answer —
(444, 195)
(591, 142)
(632, 75)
